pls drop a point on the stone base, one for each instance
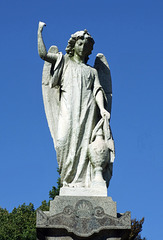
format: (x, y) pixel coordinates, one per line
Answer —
(72, 191)
(77, 218)
(60, 203)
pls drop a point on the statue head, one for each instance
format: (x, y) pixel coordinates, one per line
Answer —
(80, 35)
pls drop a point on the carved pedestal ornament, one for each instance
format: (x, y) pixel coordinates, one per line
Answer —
(83, 220)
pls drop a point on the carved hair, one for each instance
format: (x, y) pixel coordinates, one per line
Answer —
(74, 38)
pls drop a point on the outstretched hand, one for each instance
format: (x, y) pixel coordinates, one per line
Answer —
(41, 25)
(104, 113)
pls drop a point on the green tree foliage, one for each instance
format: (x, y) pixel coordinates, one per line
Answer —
(136, 228)
(55, 190)
(44, 205)
(20, 224)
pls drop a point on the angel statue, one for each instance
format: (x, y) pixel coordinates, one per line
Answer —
(77, 100)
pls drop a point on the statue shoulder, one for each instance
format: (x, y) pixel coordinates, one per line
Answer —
(92, 70)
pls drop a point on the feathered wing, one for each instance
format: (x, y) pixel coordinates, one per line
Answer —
(51, 91)
(102, 67)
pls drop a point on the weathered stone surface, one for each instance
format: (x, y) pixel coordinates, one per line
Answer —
(82, 218)
(77, 100)
(97, 190)
(101, 237)
(61, 202)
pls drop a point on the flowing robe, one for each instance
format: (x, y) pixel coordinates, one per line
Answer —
(77, 117)
(69, 92)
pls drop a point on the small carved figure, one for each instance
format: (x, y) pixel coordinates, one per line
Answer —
(77, 100)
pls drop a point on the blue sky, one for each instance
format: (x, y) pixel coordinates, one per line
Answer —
(130, 35)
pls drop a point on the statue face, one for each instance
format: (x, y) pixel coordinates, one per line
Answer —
(82, 48)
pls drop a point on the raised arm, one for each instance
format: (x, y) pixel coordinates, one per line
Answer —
(49, 57)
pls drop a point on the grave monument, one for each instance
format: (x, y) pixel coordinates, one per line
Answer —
(77, 100)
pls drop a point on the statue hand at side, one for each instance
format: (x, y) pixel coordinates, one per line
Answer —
(104, 113)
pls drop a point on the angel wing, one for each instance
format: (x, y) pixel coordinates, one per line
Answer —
(102, 67)
(51, 91)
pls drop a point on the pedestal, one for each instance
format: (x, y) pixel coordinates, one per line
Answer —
(79, 218)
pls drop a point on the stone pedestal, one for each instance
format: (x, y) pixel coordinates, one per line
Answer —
(99, 190)
(79, 218)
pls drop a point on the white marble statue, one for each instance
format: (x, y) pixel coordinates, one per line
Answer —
(77, 100)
